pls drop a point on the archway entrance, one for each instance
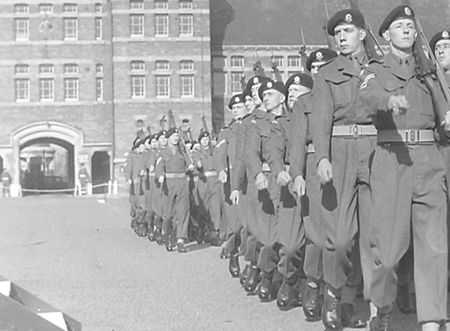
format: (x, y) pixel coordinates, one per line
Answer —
(100, 171)
(47, 164)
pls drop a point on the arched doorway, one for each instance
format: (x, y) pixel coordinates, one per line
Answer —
(100, 171)
(47, 164)
(46, 137)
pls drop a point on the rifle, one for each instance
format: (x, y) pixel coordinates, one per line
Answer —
(302, 52)
(162, 122)
(172, 123)
(276, 71)
(330, 39)
(205, 125)
(428, 71)
(258, 69)
(370, 42)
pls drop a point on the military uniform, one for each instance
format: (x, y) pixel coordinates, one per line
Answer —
(408, 190)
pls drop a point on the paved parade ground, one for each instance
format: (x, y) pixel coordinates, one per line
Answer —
(81, 256)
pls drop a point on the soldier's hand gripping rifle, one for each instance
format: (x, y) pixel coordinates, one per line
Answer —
(373, 48)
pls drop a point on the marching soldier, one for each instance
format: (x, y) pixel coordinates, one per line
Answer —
(171, 169)
(208, 188)
(408, 190)
(290, 223)
(149, 187)
(157, 196)
(344, 139)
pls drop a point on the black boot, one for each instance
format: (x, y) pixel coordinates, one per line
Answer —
(252, 280)
(264, 288)
(168, 242)
(311, 302)
(288, 296)
(233, 265)
(224, 254)
(404, 299)
(158, 237)
(349, 319)
(150, 233)
(380, 323)
(180, 247)
(214, 238)
(244, 274)
(331, 311)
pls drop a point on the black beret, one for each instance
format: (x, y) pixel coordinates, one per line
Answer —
(443, 35)
(171, 131)
(238, 98)
(320, 55)
(300, 79)
(348, 16)
(271, 85)
(202, 135)
(161, 133)
(255, 80)
(395, 14)
(137, 142)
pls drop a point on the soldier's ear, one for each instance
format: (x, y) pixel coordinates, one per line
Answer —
(387, 36)
(362, 34)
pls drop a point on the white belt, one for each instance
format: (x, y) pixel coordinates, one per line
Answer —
(176, 175)
(265, 167)
(354, 131)
(210, 173)
(311, 148)
(405, 136)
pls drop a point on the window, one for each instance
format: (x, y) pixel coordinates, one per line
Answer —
(69, 8)
(98, 28)
(46, 89)
(162, 25)
(21, 28)
(137, 4)
(21, 69)
(21, 8)
(99, 89)
(136, 25)
(137, 86)
(162, 86)
(71, 68)
(278, 61)
(99, 68)
(186, 65)
(186, 25)
(98, 8)
(237, 61)
(187, 85)
(236, 85)
(162, 65)
(46, 69)
(294, 61)
(70, 28)
(45, 8)
(137, 66)
(161, 4)
(186, 4)
(22, 89)
(71, 89)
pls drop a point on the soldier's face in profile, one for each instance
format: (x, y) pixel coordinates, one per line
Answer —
(294, 92)
(173, 139)
(348, 38)
(401, 34)
(272, 99)
(239, 110)
(162, 140)
(153, 143)
(442, 53)
(204, 141)
(256, 100)
(249, 104)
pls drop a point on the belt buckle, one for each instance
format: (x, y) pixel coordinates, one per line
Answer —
(412, 136)
(355, 130)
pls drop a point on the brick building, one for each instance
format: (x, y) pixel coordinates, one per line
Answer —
(78, 78)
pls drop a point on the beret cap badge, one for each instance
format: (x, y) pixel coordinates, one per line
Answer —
(348, 18)
(408, 11)
(319, 56)
(255, 80)
(269, 84)
(445, 34)
(297, 79)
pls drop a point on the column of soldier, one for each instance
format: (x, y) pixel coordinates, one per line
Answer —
(330, 185)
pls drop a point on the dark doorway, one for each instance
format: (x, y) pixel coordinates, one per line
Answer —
(47, 165)
(1, 165)
(100, 172)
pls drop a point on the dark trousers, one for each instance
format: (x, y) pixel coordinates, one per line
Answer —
(177, 207)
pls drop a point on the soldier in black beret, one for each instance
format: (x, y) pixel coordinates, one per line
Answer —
(408, 191)
(318, 58)
(343, 137)
(297, 85)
